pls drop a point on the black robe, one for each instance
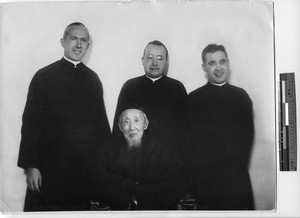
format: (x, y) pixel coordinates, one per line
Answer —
(63, 122)
(163, 101)
(154, 175)
(219, 137)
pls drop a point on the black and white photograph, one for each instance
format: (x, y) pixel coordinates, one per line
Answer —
(110, 107)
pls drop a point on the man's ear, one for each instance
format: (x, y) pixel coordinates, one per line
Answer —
(167, 66)
(146, 124)
(143, 62)
(120, 128)
(62, 42)
(203, 67)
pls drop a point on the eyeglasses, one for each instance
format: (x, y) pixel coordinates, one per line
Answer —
(157, 58)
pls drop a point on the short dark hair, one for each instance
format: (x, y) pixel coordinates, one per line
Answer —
(158, 43)
(73, 24)
(212, 48)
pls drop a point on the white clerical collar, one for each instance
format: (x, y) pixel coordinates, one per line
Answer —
(217, 84)
(73, 62)
(154, 79)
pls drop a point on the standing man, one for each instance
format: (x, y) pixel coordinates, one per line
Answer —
(64, 121)
(219, 137)
(161, 98)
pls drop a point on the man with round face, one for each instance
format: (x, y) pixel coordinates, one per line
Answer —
(161, 97)
(155, 61)
(219, 137)
(138, 171)
(63, 122)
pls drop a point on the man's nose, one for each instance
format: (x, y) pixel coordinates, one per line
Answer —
(154, 61)
(218, 66)
(78, 43)
(131, 126)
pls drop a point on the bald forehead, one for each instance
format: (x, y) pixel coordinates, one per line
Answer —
(156, 49)
(74, 27)
(132, 113)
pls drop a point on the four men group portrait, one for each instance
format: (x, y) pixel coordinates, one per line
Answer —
(168, 150)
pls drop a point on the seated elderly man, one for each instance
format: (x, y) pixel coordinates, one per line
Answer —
(138, 172)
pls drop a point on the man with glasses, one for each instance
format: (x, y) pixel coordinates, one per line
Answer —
(161, 98)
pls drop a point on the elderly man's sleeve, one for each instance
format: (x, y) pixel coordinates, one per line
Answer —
(175, 181)
(172, 182)
(109, 187)
(32, 127)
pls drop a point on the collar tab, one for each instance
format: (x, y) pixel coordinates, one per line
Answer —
(154, 79)
(73, 62)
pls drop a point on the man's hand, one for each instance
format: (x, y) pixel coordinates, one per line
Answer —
(33, 179)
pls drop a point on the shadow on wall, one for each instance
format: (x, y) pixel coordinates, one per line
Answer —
(262, 178)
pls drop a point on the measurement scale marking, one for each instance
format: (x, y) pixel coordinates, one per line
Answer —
(287, 122)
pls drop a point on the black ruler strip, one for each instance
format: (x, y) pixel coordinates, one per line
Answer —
(287, 123)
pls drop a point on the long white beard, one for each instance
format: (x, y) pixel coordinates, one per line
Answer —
(133, 142)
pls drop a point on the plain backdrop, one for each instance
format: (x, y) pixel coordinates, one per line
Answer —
(30, 39)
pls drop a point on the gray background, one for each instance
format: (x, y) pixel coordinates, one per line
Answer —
(30, 34)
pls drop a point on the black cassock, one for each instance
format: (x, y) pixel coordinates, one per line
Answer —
(219, 138)
(163, 101)
(154, 175)
(64, 122)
